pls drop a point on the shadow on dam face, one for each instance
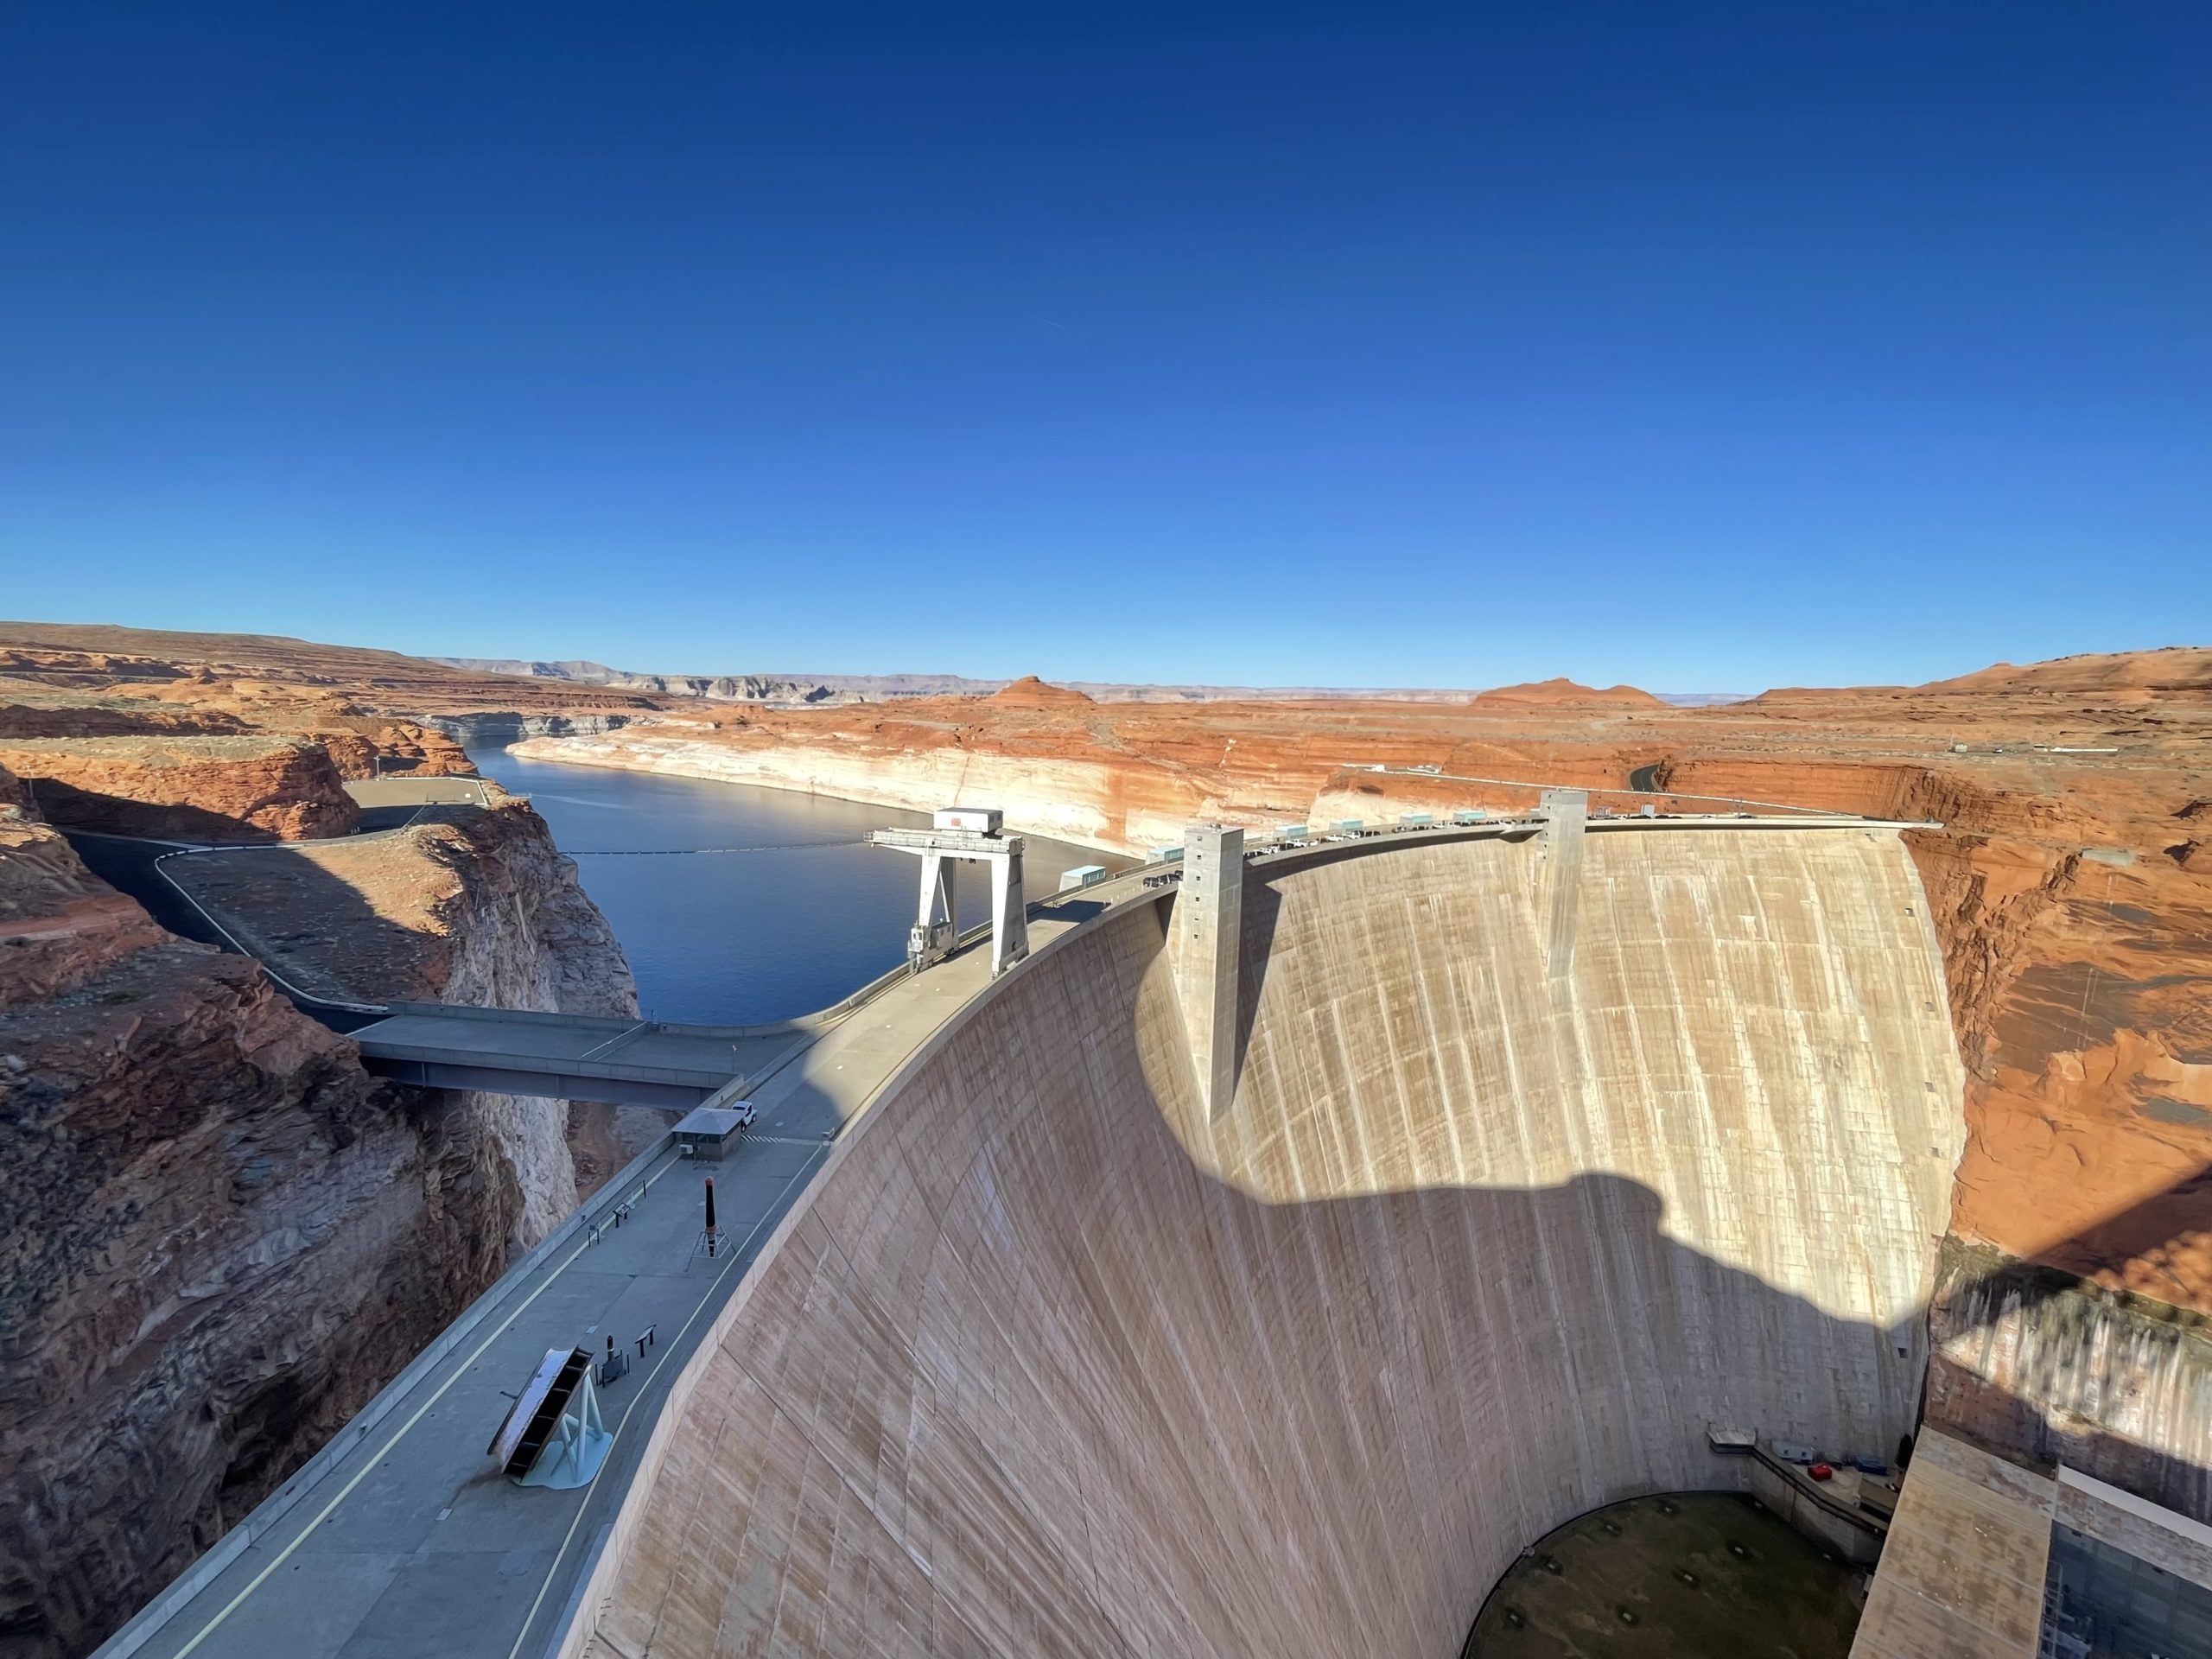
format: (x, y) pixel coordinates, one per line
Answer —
(1052, 1361)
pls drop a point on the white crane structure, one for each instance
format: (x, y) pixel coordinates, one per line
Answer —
(971, 834)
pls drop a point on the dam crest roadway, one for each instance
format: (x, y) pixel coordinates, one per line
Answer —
(400, 1536)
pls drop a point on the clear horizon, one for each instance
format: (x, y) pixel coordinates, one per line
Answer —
(1700, 351)
(773, 673)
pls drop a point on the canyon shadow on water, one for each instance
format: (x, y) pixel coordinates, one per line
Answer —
(739, 938)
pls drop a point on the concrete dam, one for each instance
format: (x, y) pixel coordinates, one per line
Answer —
(1523, 1177)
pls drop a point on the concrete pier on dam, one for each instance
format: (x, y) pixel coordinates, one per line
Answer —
(1139, 1313)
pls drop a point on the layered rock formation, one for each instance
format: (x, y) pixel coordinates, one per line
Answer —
(221, 789)
(58, 927)
(2177, 669)
(1068, 799)
(1566, 694)
(222, 1235)
(506, 726)
(151, 663)
(55, 695)
(794, 691)
(718, 688)
(469, 905)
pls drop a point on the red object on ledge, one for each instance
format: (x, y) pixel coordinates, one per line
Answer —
(1820, 1471)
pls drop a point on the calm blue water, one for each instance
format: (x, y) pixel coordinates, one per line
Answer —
(733, 938)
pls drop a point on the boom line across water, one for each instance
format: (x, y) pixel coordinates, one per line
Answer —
(691, 852)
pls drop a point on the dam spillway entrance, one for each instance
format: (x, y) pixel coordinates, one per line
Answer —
(1053, 1359)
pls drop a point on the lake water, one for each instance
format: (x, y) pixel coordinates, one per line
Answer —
(738, 938)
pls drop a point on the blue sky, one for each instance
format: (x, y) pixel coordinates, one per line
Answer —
(1694, 344)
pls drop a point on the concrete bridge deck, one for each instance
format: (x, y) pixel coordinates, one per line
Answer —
(568, 1057)
(400, 1537)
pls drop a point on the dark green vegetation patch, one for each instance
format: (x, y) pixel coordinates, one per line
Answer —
(1690, 1573)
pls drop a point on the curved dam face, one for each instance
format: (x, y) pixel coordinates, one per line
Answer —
(1051, 1361)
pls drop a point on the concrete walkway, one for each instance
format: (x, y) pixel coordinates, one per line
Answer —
(414, 1542)
(411, 789)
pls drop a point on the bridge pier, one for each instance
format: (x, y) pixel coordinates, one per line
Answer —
(1209, 923)
(932, 935)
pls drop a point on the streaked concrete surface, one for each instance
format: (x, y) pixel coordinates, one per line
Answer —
(1973, 1561)
(2172, 1543)
(2126, 1576)
(1050, 1360)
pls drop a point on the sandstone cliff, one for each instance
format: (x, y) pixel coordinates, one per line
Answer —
(1067, 799)
(151, 662)
(39, 702)
(469, 905)
(508, 726)
(224, 789)
(58, 927)
(719, 688)
(519, 932)
(221, 1235)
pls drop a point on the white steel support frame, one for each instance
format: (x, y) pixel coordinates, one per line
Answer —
(937, 923)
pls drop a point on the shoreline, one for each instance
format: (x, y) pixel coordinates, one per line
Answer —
(928, 787)
(1078, 813)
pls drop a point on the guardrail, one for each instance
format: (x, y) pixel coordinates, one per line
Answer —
(1594, 788)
